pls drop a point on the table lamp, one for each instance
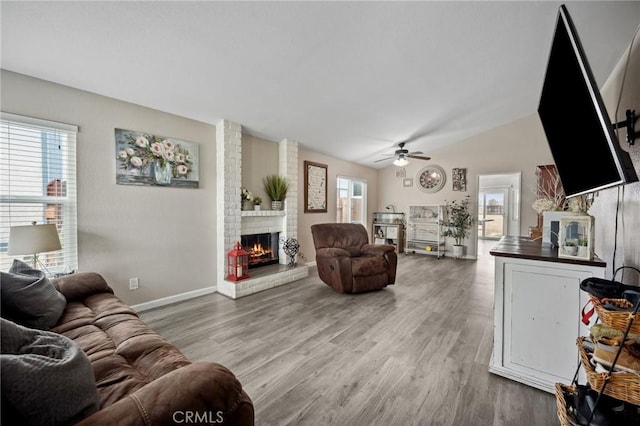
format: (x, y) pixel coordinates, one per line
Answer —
(33, 239)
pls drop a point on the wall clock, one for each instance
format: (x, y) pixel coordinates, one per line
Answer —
(431, 178)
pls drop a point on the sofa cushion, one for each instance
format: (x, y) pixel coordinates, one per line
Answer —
(46, 378)
(125, 353)
(29, 298)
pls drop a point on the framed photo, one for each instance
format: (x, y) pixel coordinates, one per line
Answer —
(147, 159)
(315, 187)
(575, 240)
(407, 183)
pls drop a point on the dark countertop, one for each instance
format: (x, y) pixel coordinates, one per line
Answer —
(526, 248)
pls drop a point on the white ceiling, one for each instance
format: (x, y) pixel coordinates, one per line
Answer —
(348, 79)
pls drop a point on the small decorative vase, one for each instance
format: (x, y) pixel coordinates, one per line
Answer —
(162, 173)
(257, 207)
(276, 205)
(247, 205)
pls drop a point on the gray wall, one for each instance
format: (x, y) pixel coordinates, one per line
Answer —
(164, 236)
(604, 207)
(259, 159)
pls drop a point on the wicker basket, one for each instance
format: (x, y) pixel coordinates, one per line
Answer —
(617, 319)
(622, 385)
(565, 401)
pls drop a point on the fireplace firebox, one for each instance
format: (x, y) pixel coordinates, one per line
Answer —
(262, 248)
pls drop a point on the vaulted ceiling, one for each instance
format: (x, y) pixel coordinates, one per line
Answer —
(348, 79)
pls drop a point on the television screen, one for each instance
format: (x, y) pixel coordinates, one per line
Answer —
(578, 129)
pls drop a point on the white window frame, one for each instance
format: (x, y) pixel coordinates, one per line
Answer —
(66, 259)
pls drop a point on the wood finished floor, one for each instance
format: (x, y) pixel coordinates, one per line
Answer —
(416, 353)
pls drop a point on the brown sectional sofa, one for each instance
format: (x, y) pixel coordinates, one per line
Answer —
(141, 378)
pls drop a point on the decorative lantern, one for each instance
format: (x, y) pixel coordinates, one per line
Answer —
(237, 263)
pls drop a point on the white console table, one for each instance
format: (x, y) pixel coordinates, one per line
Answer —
(537, 312)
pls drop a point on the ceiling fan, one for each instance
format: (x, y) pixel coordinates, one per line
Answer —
(401, 156)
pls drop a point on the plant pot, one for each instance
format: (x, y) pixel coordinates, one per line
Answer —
(247, 205)
(570, 250)
(257, 207)
(458, 251)
(276, 205)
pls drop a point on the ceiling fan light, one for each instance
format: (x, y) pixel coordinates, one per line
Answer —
(400, 162)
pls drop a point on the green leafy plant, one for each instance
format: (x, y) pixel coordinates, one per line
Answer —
(276, 187)
(458, 220)
(257, 201)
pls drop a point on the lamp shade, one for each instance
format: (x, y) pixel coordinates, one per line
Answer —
(33, 239)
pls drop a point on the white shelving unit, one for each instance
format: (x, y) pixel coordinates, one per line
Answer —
(424, 232)
(389, 233)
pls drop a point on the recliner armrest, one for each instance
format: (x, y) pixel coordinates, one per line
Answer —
(80, 285)
(377, 249)
(332, 252)
(204, 393)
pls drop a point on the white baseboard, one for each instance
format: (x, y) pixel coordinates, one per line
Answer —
(173, 299)
(311, 264)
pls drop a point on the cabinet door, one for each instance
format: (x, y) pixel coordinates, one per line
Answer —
(541, 322)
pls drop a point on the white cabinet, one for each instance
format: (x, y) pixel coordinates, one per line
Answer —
(537, 318)
(424, 232)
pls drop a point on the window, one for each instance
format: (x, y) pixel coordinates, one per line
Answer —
(352, 201)
(38, 184)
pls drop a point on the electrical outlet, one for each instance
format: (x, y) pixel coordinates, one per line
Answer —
(134, 283)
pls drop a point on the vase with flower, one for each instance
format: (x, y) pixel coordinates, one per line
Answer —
(246, 199)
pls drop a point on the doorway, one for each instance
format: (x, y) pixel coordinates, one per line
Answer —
(498, 205)
(491, 213)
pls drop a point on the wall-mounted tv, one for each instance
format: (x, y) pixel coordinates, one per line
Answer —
(580, 134)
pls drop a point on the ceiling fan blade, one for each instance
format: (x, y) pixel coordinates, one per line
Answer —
(418, 157)
(384, 159)
(415, 153)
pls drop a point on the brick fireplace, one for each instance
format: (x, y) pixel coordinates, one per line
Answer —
(232, 223)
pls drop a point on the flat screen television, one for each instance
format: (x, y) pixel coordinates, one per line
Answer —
(580, 134)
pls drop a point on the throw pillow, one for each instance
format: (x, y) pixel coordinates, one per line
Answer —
(46, 378)
(29, 298)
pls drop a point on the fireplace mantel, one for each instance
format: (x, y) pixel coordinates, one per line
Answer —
(262, 213)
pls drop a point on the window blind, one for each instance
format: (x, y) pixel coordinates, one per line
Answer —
(38, 184)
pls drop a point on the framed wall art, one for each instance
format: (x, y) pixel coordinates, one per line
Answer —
(315, 187)
(459, 179)
(147, 159)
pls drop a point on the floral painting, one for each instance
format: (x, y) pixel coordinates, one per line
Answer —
(146, 159)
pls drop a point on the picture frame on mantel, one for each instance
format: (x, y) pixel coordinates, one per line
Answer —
(315, 187)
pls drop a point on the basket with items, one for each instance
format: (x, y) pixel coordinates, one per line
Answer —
(610, 357)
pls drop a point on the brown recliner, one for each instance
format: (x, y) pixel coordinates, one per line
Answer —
(348, 263)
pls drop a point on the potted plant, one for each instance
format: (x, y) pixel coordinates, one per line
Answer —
(570, 248)
(457, 223)
(276, 188)
(257, 202)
